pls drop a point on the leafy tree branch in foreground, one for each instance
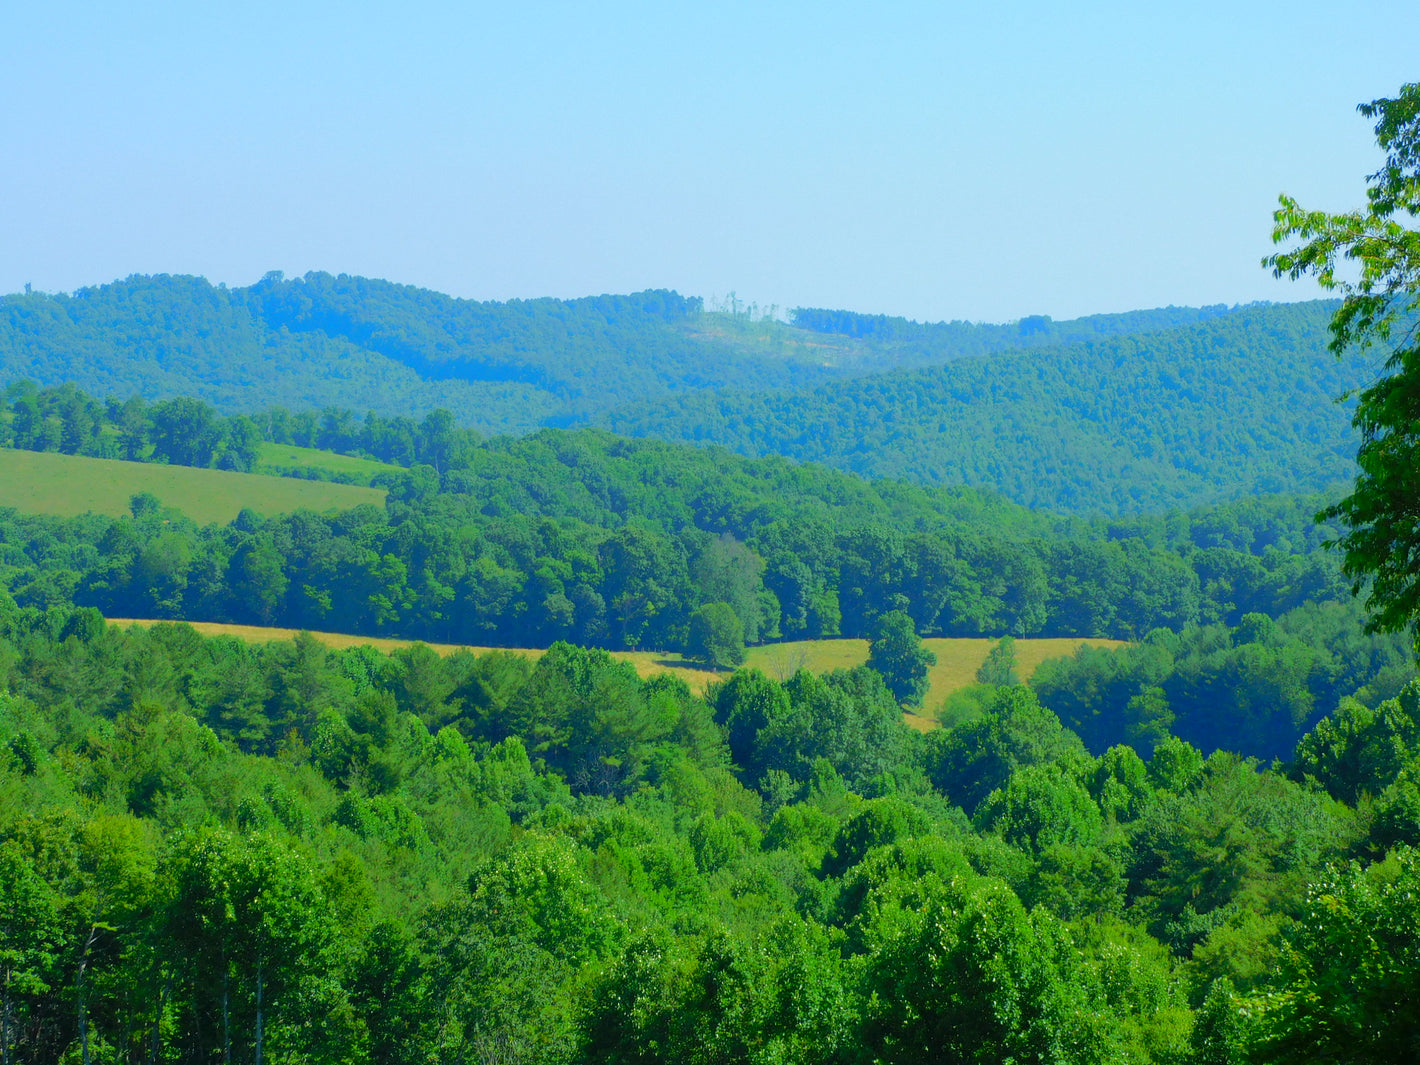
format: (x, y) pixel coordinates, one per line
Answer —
(1379, 308)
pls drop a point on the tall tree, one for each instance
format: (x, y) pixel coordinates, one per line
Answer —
(257, 581)
(717, 637)
(897, 653)
(1000, 665)
(185, 432)
(260, 947)
(30, 936)
(243, 450)
(1379, 308)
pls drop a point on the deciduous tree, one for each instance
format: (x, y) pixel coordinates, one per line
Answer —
(897, 653)
(1379, 309)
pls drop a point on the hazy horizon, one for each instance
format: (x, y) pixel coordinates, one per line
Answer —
(717, 302)
(913, 160)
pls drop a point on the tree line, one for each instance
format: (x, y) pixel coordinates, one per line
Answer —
(184, 431)
(627, 544)
(617, 543)
(519, 580)
(218, 851)
(1254, 687)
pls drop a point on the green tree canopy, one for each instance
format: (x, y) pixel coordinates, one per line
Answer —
(1000, 665)
(1353, 973)
(1379, 308)
(717, 636)
(897, 653)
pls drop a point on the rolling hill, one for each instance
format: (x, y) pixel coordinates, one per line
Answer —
(1236, 405)
(1111, 413)
(353, 342)
(38, 482)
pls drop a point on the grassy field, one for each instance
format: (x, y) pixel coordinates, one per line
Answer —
(647, 663)
(48, 483)
(957, 660)
(286, 455)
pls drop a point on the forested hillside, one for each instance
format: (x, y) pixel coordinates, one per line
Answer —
(214, 851)
(928, 342)
(1187, 832)
(326, 341)
(584, 534)
(641, 544)
(1239, 404)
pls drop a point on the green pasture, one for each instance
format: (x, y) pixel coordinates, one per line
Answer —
(43, 482)
(281, 456)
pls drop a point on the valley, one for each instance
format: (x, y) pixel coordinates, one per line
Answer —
(375, 659)
(663, 534)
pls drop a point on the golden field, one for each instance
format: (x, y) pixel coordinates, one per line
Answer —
(957, 659)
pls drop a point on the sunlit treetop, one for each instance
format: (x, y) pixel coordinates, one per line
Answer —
(1381, 243)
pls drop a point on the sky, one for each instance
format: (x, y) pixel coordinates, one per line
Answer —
(935, 160)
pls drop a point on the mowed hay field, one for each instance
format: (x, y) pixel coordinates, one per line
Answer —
(284, 455)
(957, 659)
(43, 482)
(647, 663)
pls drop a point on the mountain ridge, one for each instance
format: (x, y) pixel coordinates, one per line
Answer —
(1079, 415)
(1240, 404)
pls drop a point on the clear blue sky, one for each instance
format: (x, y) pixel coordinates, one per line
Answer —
(936, 160)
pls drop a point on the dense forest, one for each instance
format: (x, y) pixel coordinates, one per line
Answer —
(397, 349)
(1199, 845)
(928, 342)
(626, 544)
(1239, 404)
(217, 851)
(1142, 410)
(819, 552)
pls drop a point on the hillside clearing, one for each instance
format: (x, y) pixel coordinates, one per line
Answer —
(285, 456)
(957, 659)
(43, 482)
